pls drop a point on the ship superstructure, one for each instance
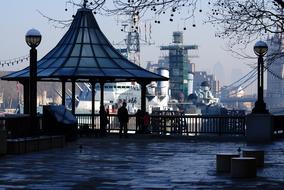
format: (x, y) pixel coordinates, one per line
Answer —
(181, 76)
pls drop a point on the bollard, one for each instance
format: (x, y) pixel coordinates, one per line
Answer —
(243, 167)
(223, 161)
(257, 154)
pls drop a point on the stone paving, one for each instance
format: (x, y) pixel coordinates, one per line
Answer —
(137, 163)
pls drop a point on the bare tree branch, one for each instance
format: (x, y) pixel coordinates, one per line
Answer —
(245, 21)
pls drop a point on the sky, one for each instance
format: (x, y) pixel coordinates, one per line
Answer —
(18, 16)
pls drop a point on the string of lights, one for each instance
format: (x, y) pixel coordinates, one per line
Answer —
(14, 61)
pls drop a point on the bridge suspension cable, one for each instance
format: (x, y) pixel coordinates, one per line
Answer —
(242, 81)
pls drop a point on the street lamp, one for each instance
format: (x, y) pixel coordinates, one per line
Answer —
(33, 39)
(260, 49)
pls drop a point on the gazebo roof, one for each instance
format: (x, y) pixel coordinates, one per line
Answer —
(83, 54)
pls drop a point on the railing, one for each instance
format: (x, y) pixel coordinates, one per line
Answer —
(18, 126)
(197, 124)
(85, 123)
(174, 125)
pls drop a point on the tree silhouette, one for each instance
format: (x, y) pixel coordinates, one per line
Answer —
(241, 21)
(244, 21)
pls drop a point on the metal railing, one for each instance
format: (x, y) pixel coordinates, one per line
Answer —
(197, 124)
(185, 125)
(18, 126)
(85, 122)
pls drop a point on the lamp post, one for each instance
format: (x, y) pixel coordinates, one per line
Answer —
(260, 49)
(33, 39)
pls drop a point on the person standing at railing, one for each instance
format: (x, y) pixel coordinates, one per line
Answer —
(123, 118)
(139, 121)
(104, 121)
(108, 119)
(146, 122)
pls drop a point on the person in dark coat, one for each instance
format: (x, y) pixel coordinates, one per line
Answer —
(146, 121)
(123, 118)
(104, 121)
(139, 120)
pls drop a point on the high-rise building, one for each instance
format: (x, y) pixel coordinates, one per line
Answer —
(218, 71)
(179, 65)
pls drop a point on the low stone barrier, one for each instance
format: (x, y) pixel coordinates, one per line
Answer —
(16, 146)
(32, 144)
(243, 167)
(45, 143)
(223, 161)
(25, 145)
(3, 142)
(57, 141)
(257, 154)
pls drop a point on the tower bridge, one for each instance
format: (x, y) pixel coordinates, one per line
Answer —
(238, 99)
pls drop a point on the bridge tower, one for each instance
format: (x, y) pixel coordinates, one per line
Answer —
(275, 83)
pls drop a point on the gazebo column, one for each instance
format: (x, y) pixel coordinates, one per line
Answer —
(73, 97)
(93, 103)
(26, 92)
(143, 96)
(102, 99)
(63, 89)
(102, 84)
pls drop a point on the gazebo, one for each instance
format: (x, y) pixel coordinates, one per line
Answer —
(84, 54)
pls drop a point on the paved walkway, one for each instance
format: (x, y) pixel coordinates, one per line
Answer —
(136, 163)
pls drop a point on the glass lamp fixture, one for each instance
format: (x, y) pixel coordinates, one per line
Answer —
(260, 48)
(33, 38)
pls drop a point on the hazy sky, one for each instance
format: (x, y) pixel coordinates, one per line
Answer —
(18, 16)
